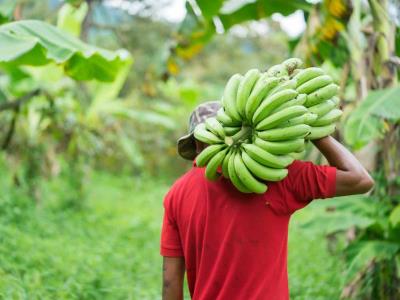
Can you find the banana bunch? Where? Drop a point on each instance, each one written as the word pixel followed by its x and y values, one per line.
pixel 262 123
pixel 321 100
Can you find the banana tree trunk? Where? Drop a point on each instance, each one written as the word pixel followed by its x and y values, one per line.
pixel 385 76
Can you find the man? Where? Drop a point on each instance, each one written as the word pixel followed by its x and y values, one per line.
pixel 234 245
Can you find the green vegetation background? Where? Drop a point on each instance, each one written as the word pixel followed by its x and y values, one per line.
pixel 102 241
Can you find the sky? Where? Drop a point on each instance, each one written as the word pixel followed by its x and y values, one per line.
pixel 293 25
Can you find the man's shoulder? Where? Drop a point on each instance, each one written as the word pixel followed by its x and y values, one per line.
pixel 186 181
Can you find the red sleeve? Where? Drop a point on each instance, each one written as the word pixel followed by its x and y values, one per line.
pixel 170 240
pixel 307 182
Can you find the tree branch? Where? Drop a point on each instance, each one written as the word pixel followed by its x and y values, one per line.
pixel 18 102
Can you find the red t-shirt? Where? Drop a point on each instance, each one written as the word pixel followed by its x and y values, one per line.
pixel 235 244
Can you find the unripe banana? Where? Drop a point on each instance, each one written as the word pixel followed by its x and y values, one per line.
pixel 299 100
pixel 298 155
pixel 230 94
pixel 336 100
pixel 282 147
pixel 294 121
pixel 234 177
pixel 230 131
pixel 322 94
pixel 281 116
pixel 213 125
pixel 329 118
pixel 262 171
pixel 205 136
pixel 212 166
pixel 287 133
pixel 284 85
pixel 244 90
pixel 262 88
pixel 225 162
pixel 294 73
pixel 272 102
pixel 322 108
pixel 247 178
pixel 266 158
pixel 207 153
pixel 314 84
pixel 277 71
pixel 308 74
pixel 310 118
pixel 320 132
pixel 225 119
pixel 292 63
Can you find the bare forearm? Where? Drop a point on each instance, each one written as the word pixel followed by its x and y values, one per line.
pixel 337 155
pixel 173 273
pixel 351 177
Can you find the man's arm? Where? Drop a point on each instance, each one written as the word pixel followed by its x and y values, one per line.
pixel 173 272
pixel 351 176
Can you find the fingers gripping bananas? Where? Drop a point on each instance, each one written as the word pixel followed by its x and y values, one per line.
pixel 264 123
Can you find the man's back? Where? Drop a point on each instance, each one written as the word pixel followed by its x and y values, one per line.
pixel 235 244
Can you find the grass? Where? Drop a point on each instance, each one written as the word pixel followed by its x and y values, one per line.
pixel 110 248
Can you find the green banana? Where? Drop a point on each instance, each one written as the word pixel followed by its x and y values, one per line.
pixel 202 134
pixel 225 119
pixel 322 94
pixel 230 131
pixel 262 88
pixel 266 158
pixel 207 153
pixel 292 64
pixel 225 163
pixel 244 90
pixel 336 100
pixel 320 132
pixel 213 164
pixel 294 73
pixel 234 177
pixel 314 84
pixel 229 97
pixel 277 71
pixel 302 119
pixel 308 74
pixel 299 100
pixel 329 118
pixel 247 178
pixel 287 133
pixel 283 147
pixel 322 108
pixel 298 155
pixel 310 118
pixel 284 85
pixel 213 125
pixel 262 171
pixel 281 116
pixel 272 102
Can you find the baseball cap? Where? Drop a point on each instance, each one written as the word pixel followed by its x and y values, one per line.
pixel 186 144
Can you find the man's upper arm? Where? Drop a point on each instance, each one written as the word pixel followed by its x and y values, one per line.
pixel 307 182
pixel 170 239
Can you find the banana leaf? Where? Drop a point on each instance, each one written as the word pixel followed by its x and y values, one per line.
pixel 367 121
pixel 37 43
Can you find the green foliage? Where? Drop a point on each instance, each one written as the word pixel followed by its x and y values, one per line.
pixel 38 43
pixel 6 10
pixel 109 249
pixel 70 18
pixel 367 121
pixel 261 9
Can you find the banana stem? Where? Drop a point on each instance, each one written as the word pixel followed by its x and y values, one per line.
pixel 243 134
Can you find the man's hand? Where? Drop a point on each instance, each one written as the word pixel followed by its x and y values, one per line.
pixel 173 272
pixel 351 177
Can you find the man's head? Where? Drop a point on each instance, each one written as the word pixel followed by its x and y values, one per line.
pixel 188 146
